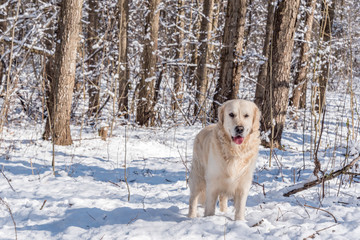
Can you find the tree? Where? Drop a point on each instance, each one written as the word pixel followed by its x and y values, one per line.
pixel 276 96
pixel 201 71
pixel 92 39
pixel 230 67
pixel 49 75
pixel 180 23
pixel 300 82
pixel 145 106
pixel 123 67
pixel 3 27
pixel 328 13
pixel 261 81
pixel 64 74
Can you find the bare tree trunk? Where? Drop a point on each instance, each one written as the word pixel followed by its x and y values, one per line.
pixel 92 38
pixel 123 67
pixel 261 82
pixel 276 99
pixel 178 83
pixel 230 65
pixel 65 66
pixel 328 13
pixel 145 106
pixel 201 71
pixel 300 82
pixel 49 75
pixel 193 49
pixel 3 26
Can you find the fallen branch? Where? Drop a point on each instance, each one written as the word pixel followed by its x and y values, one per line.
pixel 324 178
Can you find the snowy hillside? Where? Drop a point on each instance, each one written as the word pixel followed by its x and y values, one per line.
pixel 88 197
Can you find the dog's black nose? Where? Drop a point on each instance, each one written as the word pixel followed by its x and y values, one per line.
pixel 239 129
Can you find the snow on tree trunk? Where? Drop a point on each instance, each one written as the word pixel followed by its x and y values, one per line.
pixel 145 106
pixel 276 95
pixel 231 51
pixel 65 66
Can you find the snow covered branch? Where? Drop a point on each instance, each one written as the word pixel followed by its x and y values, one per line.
pixel 326 177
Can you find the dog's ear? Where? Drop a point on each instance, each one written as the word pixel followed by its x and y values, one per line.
pixel 221 114
pixel 256 119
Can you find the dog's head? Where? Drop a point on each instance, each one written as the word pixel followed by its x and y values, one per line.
pixel 239 118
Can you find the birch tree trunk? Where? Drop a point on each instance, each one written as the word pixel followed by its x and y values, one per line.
pixel 65 66
pixel 145 106
pixel 201 71
pixel 123 67
pixel 276 99
pixel 300 82
pixel 230 66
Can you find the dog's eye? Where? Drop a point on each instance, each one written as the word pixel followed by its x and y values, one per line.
pixel 246 115
pixel 231 115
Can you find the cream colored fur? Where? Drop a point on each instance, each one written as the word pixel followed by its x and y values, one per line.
pixel 220 167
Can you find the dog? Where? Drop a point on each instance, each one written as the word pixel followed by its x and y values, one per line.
pixel 224 158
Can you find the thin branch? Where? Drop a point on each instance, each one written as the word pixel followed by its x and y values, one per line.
pixel 28 47
pixel 11 215
pixel 326 177
pixel 322 210
pixel 2 172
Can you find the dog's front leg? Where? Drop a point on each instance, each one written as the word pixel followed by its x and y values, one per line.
pixel 240 201
pixel 210 202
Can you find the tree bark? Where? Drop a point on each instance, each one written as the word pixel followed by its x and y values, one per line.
pixel 145 106
pixel 178 83
pixel 192 47
pixel 3 26
pixel 201 71
pixel 261 82
pixel 49 76
pixel 328 13
pixel 230 65
pixel 65 66
pixel 92 38
pixel 300 82
pixel 123 67
pixel 276 99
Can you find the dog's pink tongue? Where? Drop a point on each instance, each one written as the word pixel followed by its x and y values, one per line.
pixel 238 140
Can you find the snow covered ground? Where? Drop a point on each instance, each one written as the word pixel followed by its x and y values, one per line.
pixel 88 197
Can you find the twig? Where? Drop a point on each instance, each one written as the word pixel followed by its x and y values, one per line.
pixel 11 215
pixel 317 232
pixel 261 185
pixel 115 184
pixel 2 172
pixel 42 206
pixel 322 210
pixel 326 177
pixel 258 223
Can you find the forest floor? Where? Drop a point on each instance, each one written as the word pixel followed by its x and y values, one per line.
pixel 88 197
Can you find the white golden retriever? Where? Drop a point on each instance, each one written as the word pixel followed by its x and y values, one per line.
pixel 224 157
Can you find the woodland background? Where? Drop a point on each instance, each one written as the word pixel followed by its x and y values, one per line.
pixel 168 62
pixel 153 73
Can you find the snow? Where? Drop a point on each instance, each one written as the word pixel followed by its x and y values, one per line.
pixel 88 198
